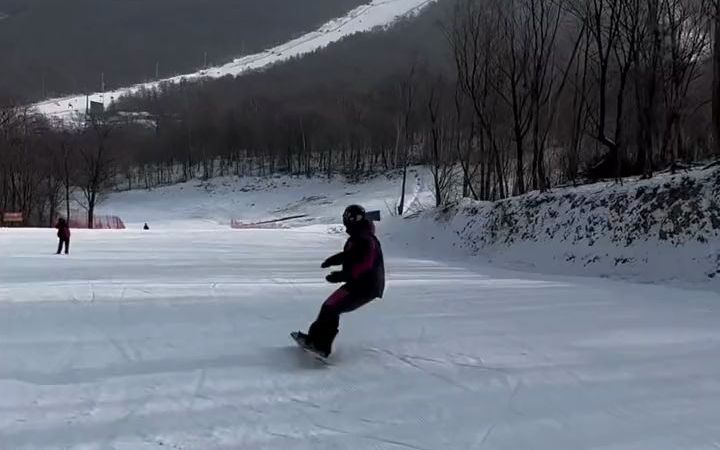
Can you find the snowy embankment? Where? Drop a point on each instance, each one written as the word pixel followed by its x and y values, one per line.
pixel 376 13
pixel 666 229
pixel 216 202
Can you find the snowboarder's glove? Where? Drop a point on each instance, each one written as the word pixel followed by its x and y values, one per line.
pixel 335 277
pixel 334 260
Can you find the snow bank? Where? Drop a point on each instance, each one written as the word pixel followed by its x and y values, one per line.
pixel 662 230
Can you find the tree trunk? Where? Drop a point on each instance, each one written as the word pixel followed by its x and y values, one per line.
pixel 67 184
pixel 716 79
pixel 91 211
pixel 401 205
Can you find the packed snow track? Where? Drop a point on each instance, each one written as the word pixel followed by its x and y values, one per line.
pixel 179 339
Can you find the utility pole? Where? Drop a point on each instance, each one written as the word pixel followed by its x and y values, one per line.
pixel 102 81
pixel 157 70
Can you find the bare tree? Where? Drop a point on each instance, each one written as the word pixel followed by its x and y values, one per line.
pixel 464 137
pixel 473 38
pixel 579 110
pixel 685 38
pixel 97 164
pixel 615 28
pixel 65 165
pixel 716 75
pixel 407 98
pixel 515 86
pixel 647 84
pixel 548 75
pixel 442 165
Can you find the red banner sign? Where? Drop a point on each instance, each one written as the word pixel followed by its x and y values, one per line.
pixel 13 217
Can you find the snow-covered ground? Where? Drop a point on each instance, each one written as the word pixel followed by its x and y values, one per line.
pixel 375 13
pixel 216 202
pixel 177 338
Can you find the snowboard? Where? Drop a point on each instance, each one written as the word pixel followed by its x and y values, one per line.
pixel 295 335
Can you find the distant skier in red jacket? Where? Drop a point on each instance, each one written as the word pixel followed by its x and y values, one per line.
pixel 363 275
pixel 63 235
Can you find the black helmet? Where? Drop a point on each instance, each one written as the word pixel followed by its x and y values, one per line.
pixel 353 214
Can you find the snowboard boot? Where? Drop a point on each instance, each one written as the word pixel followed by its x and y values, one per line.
pixel 323 345
pixel 305 341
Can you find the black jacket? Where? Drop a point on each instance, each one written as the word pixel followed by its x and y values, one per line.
pixel 363 265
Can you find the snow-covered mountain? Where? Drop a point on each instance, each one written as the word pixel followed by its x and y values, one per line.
pixel 377 13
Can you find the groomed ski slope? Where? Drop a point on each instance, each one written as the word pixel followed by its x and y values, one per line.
pixel 177 338
pixel 375 13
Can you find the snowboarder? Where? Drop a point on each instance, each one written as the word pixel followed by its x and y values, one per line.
pixel 63 235
pixel 146 227
pixel 363 275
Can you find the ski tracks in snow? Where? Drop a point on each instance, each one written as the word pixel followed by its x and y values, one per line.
pixel 450 358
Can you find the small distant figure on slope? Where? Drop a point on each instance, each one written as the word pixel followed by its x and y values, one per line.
pixel 363 275
pixel 63 234
pixel 146 227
